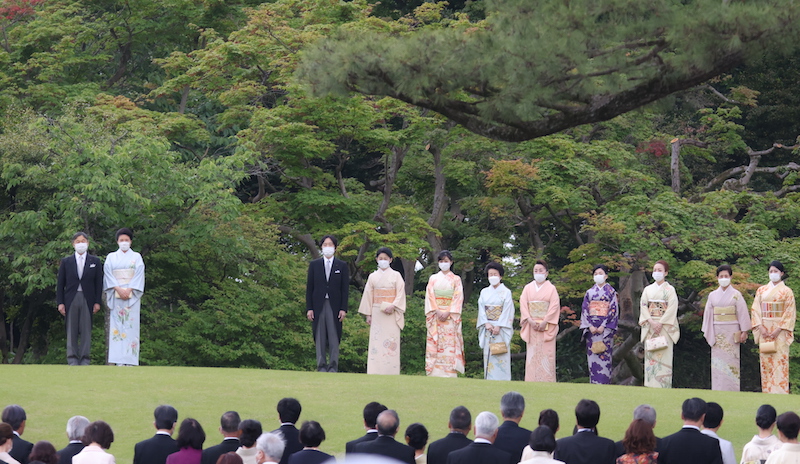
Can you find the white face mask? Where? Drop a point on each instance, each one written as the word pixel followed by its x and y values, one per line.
pixel 658 276
pixel 599 279
pixel 724 281
pixel 124 246
pixel 81 247
pixel 384 263
pixel 328 251
pixel 775 277
pixel 444 266
pixel 494 280
pixel 539 278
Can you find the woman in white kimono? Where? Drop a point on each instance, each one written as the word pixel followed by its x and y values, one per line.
pixel 384 305
pixel 660 332
pixel 495 324
pixel 124 286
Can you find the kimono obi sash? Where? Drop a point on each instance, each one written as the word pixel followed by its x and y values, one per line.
pixel 383 295
pixel 657 308
pixel 599 308
pixel 493 312
pixel 444 297
pixel 725 314
pixel 123 276
pixel 772 309
pixel 538 309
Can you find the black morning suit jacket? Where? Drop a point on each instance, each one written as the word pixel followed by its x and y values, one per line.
pixel 585 448
pixel 291 436
pixel 385 445
pixel 21 449
pixel 512 439
pixel 438 450
pixel 310 456
pixel 689 446
pixel 337 288
pixel 91 281
pixel 211 455
pixel 154 450
pixel 65 455
pixel 351 445
pixel 479 453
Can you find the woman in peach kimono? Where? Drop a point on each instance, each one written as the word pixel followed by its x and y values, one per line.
pixel 384 305
pixel 658 318
pixel 774 314
pixel 444 297
pixel 540 307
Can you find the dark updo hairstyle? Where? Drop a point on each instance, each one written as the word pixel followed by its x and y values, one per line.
pixel 311 434
pixel 444 254
pixel 251 430
pixel 788 424
pixel 124 231
pixel 6 433
pixel 44 452
pixel 725 267
pixel 98 432
pixel 417 436
pixel 639 438
pixel 765 416
pixel 777 264
pixel 496 266
pixel 549 418
pixel 385 250
pixel 191 434
pixel 541 261
pixel 600 266
pixel 543 439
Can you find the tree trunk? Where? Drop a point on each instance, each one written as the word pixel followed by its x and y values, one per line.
pixel 184 99
pixel 675 166
pixel 439 199
pixel 24 335
pixel 3 333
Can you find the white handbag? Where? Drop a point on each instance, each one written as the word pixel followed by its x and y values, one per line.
pixel 655 343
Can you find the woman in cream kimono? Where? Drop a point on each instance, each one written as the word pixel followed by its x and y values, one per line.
pixel 384 305
pixel 444 297
pixel 774 314
pixel 540 307
pixel 725 325
pixel 124 286
pixel 658 318
pixel 495 324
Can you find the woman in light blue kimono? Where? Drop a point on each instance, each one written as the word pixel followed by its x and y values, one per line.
pixel 495 324
pixel 124 286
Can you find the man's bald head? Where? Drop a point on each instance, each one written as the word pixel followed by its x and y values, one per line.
pixel 388 423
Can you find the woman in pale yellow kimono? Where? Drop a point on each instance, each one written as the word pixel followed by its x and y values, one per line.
pixel 384 305
pixel 444 297
pixel 540 307
pixel 774 314
pixel 658 318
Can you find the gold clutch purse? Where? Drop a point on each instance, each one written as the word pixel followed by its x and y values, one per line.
pixel 598 347
pixel 496 348
pixel 767 347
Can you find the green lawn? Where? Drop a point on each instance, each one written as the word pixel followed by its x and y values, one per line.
pixel 126 396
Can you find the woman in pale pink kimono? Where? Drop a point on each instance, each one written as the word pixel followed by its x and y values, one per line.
pixel 444 298
pixel 725 325
pixel 540 307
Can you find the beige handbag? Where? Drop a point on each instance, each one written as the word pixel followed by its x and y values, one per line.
pixel 496 348
pixel 598 347
pixel 767 347
pixel 656 343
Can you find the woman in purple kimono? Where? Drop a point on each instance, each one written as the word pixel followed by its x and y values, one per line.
pixel 599 317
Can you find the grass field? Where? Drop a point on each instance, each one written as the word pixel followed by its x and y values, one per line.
pixel 126 396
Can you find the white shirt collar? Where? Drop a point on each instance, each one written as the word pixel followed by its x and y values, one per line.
pixel 16 433
pixel 75 441
pixel 163 433
pixel 482 440
pixel 691 427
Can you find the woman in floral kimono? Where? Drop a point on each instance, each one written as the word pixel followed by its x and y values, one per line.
pixel 384 305
pixel 444 296
pixel 495 324
pixel 658 318
pixel 599 316
pixel 540 308
pixel 124 286
pixel 774 314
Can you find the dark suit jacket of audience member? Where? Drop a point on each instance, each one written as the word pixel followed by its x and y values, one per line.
pixel 309 456
pixel 350 445
pixel 585 448
pixel 689 446
pixel 479 453
pixel 438 450
pixel 65 454
pixel 385 445
pixel 620 448
pixel 21 449
pixel 512 439
pixel 211 455
pixel 154 450
pixel 291 436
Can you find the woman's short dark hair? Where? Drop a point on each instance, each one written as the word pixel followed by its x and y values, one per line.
pixel 779 266
pixel 496 266
pixel 639 438
pixel 543 439
pixel 600 266
pixel 251 430
pixel 230 458
pixel 765 416
pixel 725 267
pixel 542 263
pixel 385 250
pixel 311 433
pixel 98 432
pixel 549 417
pixel 191 434
pixel 44 452
pixel 417 436
pixel 333 239
pixel 6 433
pixel 789 424
pixel 124 231
pixel 444 254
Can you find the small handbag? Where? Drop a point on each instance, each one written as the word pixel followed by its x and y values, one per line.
pixel 598 347
pixel 767 347
pixel 496 348
pixel 656 343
